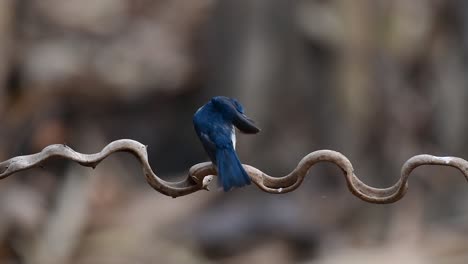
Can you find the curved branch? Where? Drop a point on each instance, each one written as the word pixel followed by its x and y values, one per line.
pixel 189 185
pixel 200 175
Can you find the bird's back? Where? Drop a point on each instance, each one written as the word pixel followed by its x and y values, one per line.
pixel 214 127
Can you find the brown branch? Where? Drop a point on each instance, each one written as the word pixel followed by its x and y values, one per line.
pixel 200 175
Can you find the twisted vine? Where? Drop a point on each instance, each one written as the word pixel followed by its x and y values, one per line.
pixel 200 175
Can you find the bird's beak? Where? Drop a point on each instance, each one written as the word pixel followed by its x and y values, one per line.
pixel 245 124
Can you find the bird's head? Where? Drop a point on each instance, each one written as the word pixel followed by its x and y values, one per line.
pixel 233 111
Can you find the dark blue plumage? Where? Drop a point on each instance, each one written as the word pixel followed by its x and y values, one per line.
pixel 215 124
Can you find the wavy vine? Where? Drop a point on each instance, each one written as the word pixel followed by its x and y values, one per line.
pixel 200 175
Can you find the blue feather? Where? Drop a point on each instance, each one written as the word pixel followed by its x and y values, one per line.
pixel 214 124
pixel 230 170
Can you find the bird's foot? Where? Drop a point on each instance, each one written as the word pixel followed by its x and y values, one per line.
pixel 205 182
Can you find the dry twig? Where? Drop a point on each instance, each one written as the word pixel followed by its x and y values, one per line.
pixel 200 175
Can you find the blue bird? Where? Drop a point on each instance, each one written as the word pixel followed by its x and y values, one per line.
pixel 215 124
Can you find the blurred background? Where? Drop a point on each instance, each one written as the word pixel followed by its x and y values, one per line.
pixel 379 81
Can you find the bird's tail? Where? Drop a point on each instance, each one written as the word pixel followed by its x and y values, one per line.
pixel 230 170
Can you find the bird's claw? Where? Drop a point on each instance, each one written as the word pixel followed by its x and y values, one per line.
pixel 195 179
pixel 205 182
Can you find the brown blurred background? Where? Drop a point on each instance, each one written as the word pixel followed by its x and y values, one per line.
pixel 379 81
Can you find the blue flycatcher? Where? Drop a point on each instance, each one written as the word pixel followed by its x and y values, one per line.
pixel 215 124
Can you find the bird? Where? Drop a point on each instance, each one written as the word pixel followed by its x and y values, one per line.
pixel 215 124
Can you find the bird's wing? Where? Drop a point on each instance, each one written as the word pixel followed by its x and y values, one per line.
pixel 209 145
